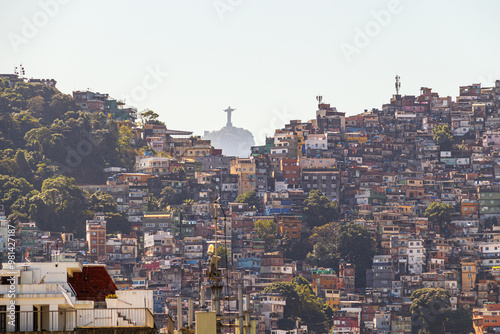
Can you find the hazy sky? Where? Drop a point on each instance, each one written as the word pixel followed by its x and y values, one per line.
pixel 189 60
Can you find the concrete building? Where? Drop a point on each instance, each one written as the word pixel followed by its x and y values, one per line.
pixel 416 256
pixel 96 237
pixel 164 221
pixel 328 181
pixel 381 275
pixel 152 165
pixel 61 296
pixel 245 169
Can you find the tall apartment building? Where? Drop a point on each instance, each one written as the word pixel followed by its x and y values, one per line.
pixel 416 256
pixel 96 237
pixel 347 275
pixel 245 169
pixel 381 275
pixel 469 272
pixel 291 172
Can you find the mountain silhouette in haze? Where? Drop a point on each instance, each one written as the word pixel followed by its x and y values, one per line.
pixel 232 140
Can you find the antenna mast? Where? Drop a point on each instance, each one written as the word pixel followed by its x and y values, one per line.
pixel 319 98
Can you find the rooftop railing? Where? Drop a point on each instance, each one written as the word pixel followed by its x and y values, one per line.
pixel 71 319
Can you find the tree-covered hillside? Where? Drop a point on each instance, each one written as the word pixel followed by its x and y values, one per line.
pixel 47 146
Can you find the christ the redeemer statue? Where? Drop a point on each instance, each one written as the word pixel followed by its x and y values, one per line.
pixel 229 110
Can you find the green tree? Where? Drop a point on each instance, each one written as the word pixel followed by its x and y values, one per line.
pixel 59 105
pixel 429 307
pixel 301 281
pixel 459 321
pixel 36 105
pixel 11 189
pixel 489 222
pixel 126 149
pixel 443 137
pixel 117 222
pixel 301 304
pixel 102 202
pixel 251 198
pixel 38 139
pixel 150 117
pixel 287 290
pixel 319 209
pixel 286 245
pixel 23 168
pixel 351 242
pixel 440 213
pixel 324 252
pixel 356 245
pixel 153 203
pixel 169 196
pixel 312 310
pixel 64 204
pixel 267 229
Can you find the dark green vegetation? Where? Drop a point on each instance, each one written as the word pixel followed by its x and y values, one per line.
pixel 351 242
pixel 168 196
pixel 439 213
pixel 150 117
pixel 443 137
pixel 431 313
pixel 47 146
pixel 301 304
pixel 319 209
pixel 267 229
pixel 250 197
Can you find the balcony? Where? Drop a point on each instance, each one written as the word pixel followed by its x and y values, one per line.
pixel 72 319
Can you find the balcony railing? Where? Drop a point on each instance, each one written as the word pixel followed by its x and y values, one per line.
pixel 70 319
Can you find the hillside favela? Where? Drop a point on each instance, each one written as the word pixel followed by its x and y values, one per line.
pixel 384 221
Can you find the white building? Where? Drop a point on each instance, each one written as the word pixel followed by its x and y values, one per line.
pixel 152 165
pixel 38 297
pixel 316 142
pixel 416 256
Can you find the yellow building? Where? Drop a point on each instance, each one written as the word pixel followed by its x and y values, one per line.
pixel 245 169
pixel 332 298
pixel 404 209
pixel 469 271
pixel 415 183
pixel 469 208
pixel 200 148
pixel 356 136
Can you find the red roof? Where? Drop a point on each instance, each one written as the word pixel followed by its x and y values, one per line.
pixel 151 266
pixel 93 283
